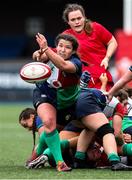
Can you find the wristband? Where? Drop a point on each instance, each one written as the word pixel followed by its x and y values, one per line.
pixel 43 50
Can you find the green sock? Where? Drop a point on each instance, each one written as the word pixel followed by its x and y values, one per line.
pixel 113 158
pixel 80 155
pixel 64 145
pixel 48 153
pixel 42 144
pixel 127 149
pixel 53 141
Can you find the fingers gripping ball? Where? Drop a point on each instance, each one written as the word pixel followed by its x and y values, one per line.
pixel 35 72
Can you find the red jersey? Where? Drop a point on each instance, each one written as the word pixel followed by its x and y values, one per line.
pixel 119 110
pixel 92 49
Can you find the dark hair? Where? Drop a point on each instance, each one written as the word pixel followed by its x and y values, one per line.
pixel 74 7
pixel 25 114
pixel 122 94
pixel 129 91
pixel 68 37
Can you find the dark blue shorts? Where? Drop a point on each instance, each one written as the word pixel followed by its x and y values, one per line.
pixel 47 96
pixel 72 127
pixel 64 116
pixel 90 101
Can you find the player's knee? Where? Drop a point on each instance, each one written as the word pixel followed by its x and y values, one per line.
pixel 103 130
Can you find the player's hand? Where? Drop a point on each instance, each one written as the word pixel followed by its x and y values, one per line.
pixel 37 55
pixel 41 40
pixel 127 138
pixel 108 96
pixel 104 62
pixel 103 78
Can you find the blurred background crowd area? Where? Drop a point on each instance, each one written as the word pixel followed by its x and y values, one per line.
pixel 20 21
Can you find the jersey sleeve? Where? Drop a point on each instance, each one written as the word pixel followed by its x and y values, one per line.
pixel 39 122
pixel 77 62
pixel 119 110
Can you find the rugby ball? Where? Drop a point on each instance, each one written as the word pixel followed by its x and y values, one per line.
pixel 35 72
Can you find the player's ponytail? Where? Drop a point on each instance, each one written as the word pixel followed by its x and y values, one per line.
pixel 88 26
pixel 34 132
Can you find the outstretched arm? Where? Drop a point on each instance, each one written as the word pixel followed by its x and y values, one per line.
pixel 56 59
pixel 127 77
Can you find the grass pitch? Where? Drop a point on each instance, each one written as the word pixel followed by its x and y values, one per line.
pixel 16 146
